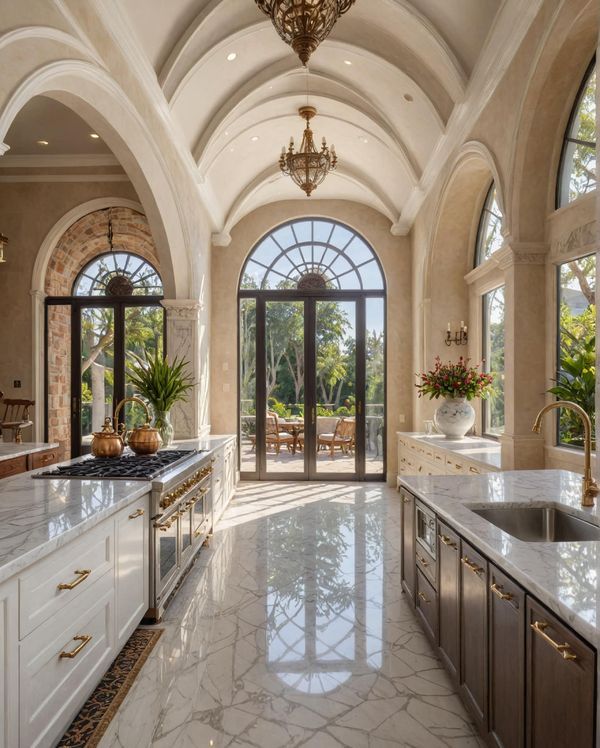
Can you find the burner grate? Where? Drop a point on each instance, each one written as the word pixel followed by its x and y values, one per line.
pixel 146 467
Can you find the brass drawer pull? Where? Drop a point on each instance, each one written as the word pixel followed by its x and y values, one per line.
pixel 497 590
pixel 406 499
pixel 166 525
pixel 447 541
pixel 471 565
pixel 424 598
pixel 85 639
pixel 562 649
pixel 422 560
pixel 474 470
pixel 82 575
pixel 137 513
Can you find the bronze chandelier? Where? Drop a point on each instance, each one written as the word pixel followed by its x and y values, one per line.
pixel 307 167
pixel 304 24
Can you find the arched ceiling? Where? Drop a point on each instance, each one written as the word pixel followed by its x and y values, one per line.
pixel 386 84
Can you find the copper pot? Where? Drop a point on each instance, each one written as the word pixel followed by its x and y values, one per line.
pixel 143 440
pixel 108 442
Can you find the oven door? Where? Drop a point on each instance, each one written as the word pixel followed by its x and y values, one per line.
pixel 200 518
pixel 167 555
pixel 426 529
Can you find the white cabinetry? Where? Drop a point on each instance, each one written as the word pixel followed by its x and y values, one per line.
pixel 131 568
pixel 421 455
pixel 224 478
pixel 9 664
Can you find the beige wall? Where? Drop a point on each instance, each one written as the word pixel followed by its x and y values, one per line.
pixel 28 211
pixel 227 262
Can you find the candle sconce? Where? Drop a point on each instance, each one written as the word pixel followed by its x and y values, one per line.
pixel 459 338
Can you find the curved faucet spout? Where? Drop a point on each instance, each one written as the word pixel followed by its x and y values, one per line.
pixel 590 487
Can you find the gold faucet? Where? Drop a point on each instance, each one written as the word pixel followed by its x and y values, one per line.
pixel 590 487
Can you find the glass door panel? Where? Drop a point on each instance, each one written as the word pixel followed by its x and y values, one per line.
pixel 335 387
pixel 374 386
pixel 247 385
pixel 284 387
pixel 143 336
pixel 97 370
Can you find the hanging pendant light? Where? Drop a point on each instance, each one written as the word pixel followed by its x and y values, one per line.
pixel 307 167
pixel 304 24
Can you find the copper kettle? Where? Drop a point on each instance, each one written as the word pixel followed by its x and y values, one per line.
pixel 143 440
pixel 108 442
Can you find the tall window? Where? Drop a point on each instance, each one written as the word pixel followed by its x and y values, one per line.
pixel 493 351
pixel 577 174
pixel 576 375
pixel 489 235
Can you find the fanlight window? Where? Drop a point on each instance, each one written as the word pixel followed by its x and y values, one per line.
pixel 312 254
pixel 118 274
pixel 577 174
pixel 489 236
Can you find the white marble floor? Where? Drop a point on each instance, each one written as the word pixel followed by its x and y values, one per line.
pixel 291 630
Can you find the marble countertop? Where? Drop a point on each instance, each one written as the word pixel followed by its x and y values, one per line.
pixel 38 516
pixel 8 450
pixel 476 448
pixel 563 576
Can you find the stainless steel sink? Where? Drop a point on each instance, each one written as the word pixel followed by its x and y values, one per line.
pixel 539 524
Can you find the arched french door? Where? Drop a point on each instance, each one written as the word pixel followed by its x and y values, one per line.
pixel 114 311
pixel 312 356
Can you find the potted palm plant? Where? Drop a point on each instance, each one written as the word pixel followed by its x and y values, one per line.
pixel 162 384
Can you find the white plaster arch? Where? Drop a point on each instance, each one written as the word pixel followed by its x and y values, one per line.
pixel 38 278
pixel 27 33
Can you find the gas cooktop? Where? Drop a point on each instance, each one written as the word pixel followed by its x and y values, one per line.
pixel 128 467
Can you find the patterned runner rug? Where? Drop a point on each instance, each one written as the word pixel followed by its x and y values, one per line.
pixel 95 715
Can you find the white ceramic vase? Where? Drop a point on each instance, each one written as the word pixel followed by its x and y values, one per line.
pixel 454 417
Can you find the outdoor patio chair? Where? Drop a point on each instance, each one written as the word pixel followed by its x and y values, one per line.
pixel 342 437
pixel 275 436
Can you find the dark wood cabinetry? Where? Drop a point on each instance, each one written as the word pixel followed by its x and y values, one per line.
pixel 427 607
pixel 474 630
pixel 38 460
pixel 506 661
pixel 14 466
pixel 449 599
pixel 408 544
pixel 23 463
pixel 560 676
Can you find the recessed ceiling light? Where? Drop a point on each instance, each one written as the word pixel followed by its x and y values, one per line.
pixel 232 149
pixel 408 97
pixel 254 138
pixel 347 62
pixel 94 135
pixel 226 133
pixel 42 142
pixel 231 56
pixel 363 139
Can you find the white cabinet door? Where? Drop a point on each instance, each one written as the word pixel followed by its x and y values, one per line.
pixel 131 567
pixel 217 484
pixel 9 664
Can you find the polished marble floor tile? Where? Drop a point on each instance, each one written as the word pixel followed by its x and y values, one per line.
pixel 291 630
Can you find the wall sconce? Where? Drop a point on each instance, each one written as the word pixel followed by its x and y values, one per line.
pixel 459 338
pixel 3 243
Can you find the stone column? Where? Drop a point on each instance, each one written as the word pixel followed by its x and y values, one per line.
pixel 525 353
pixel 185 340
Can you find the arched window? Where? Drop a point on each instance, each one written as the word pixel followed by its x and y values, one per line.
pixel 577 172
pixel 118 274
pixel 489 235
pixel 312 254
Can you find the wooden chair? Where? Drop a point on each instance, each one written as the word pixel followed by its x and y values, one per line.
pixel 342 437
pixel 275 436
pixel 16 416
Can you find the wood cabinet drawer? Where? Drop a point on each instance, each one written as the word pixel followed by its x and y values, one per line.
pixel 448 587
pixel 427 605
pixel 76 566
pixel 53 687
pixel 14 466
pixel 455 465
pixel 41 459
pixel 426 564
pixel 561 674
pixel 131 567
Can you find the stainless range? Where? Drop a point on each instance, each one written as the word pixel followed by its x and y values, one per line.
pixel 180 506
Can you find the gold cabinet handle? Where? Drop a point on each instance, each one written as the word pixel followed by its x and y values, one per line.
pixel 471 565
pixel 166 525
pixel 447 541
pixel 474 470
pixel 85 639
pixel 424 598
pixel 406 499
pixel 497 590
pixel 82 575
pixel 422 560
pixel 137 513
pixel 563 649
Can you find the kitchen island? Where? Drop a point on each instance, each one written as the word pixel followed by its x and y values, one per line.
pixel 74 584
pixel 19 458
pixel 515 620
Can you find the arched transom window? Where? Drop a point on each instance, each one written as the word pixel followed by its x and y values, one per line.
pixel 577 174
pixel 312 254
pixel 489 235
pixel 118 274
